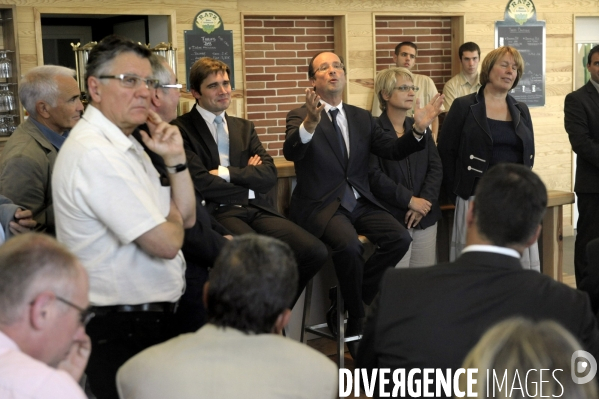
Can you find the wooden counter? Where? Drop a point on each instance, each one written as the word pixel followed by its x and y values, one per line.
pixel 550 243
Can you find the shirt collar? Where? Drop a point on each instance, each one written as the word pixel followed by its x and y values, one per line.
pixel 54 138
pixel 492 248
pixel 209 116
pixel 7 343
pixel 594 84
pixel 109 130
pixel 327 107
pixel 464 79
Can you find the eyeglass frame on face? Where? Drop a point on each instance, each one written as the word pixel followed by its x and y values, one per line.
pixel 325 66
pixel 151 84
pixel 406 88
pixel 171 86
pixel 85 314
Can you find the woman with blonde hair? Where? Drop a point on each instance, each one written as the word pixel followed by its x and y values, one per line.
pixel 409 188
pixel 482 130
pixel 517 349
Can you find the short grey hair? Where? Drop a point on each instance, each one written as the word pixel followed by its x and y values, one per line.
pixel 40 84
pixel 386 81
pixel 29 264
pixel 160 71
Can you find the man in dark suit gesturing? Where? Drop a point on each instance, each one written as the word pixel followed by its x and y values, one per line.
pixel 581 119
pixel 233 171
pixel 432 317
pixel 330 144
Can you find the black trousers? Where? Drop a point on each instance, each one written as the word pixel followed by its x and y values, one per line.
pixel 587 229
pixel 358 280
pixel 117 337
pixel 309 251
pixel 191 313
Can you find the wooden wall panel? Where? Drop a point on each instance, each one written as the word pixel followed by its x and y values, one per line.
pixel 553 161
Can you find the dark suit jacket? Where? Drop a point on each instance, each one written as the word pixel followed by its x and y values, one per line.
pixel 466 146
pixel 394 183
pixel 204 240
pixel 322 172
pixel 202 156
pixel 581 119
pixel 432 317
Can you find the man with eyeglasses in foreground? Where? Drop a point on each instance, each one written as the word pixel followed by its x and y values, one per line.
pixel 114 214
pixel 330 144
pixel 405 57
pixel 43 312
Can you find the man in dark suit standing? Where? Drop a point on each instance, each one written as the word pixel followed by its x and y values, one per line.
pixel 233 171
pixel 330 144
pixel 581 119
pixel 432 317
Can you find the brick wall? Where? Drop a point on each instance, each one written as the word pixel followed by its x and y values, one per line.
pixel 432 35
pixel 276 52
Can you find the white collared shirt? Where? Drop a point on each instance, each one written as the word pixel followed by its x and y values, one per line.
pixel 107 194
pixel 492 248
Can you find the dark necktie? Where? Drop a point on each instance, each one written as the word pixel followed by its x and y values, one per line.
pixel 334 112
pixel 348 201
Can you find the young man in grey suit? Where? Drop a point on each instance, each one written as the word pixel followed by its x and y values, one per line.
pixel 232 170
pixel 51 96
pixel 431 317
pixel 240 352
pixel 581 119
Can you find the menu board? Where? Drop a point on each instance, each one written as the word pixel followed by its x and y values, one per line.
pixel 216 45
pixel 529 40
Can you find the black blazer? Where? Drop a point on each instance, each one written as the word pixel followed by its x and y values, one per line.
pixel 321 170
pixel 432 317
pixel 204 240
pixel 394 183
pixel 466 146
pixel 581 119
pixel 202 156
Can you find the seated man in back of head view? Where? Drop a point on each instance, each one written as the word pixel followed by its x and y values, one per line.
pixel 240 352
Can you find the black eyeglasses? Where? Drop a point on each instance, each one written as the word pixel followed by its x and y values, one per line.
pixel 86 314
pixel 132 81
pixel 406 88
pixel 173 86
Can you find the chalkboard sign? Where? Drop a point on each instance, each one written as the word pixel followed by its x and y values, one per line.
pixel 216 45
pixel 529 40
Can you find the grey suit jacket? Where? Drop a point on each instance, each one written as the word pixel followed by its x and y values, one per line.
pixel 217 363
pixel 581 119
pixel 26 166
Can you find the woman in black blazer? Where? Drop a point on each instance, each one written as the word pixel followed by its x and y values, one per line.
pixel 409 188
pixel 482 130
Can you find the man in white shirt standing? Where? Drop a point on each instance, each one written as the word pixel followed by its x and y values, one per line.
pixel 405 57
pixel 43 312
pixel 467 81
pixel 114 214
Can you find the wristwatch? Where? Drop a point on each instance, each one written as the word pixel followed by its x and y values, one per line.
pixel 177 168
pixel 416 131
